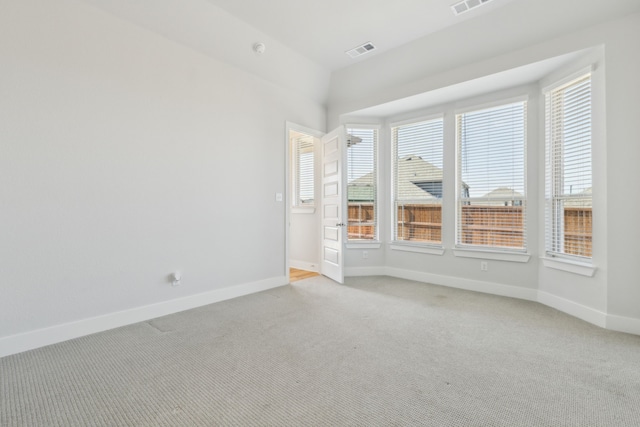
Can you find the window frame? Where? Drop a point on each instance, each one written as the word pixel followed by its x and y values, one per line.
pixel 296 202
pixel 418 246
pixel 554 224
pixel 516 254
pixel 375 242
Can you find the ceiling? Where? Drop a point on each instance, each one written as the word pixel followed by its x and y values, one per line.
pixel 323 30
pixel 310 37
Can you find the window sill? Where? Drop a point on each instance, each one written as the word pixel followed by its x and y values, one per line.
pixel 303 210
pixel 364 245
pixel 581 268
pixel 493 255
pixel 431 250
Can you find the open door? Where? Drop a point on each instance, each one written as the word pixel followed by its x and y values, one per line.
pixel 333 205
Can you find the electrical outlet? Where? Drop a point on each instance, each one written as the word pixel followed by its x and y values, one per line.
pixel 484 266
pixel 365 254
pixel 176 277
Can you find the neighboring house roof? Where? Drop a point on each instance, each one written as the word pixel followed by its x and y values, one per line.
pixel 500 196
pixel 413 170
pixel 580 201
pixel 361 192
pixel 417 177
pixel 414 174
pixel 503 193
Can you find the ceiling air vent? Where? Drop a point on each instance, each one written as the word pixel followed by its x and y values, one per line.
pixel 362 49
pixel 467 5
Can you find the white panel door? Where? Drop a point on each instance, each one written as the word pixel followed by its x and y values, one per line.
pixel 333 213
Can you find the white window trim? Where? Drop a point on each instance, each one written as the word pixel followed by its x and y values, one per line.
pixel 568 79
pixel 368 244
pixel 557 260
pixel 492 255
pixel 564 264
pixel 422 248
pixel 488 105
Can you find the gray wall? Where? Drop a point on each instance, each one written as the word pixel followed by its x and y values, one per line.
pixel 124 157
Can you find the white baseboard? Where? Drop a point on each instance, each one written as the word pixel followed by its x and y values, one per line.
pixel 574 309
pixel 467 284
pixel 623 324
pixel 304 265
pixel 364 271
pixel 41 337
pixel 588 314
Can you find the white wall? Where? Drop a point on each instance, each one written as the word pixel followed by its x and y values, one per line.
pixel 305 240
pixel 476 49
pixel 125 156
pixel 209 29
pixel 623 151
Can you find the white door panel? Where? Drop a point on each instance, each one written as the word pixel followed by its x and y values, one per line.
pixel 333 205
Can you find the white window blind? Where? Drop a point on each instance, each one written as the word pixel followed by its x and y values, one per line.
pixel 362 179
pixel 491 178
pixel 418 181
pixel 568 169
pixel 303 169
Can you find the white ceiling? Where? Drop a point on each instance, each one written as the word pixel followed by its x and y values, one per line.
pixel 310 37
pixel 323 30
pixel 320 31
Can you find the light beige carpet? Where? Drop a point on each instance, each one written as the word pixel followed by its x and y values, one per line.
pixel 375 352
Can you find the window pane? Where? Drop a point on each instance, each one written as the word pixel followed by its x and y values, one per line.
pixel 362 183
pixel 418 181
pixel 491 178
pixel 303 169
pixel 569 171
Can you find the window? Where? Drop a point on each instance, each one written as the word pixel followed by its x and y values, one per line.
pixel 362 187
pixel 491 178
pixel 568 169
pixel 417 181
pixel 303 169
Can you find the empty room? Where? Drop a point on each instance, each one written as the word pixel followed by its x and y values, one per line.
pixel 322 213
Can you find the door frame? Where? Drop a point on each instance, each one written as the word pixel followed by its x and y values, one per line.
pixel 291 126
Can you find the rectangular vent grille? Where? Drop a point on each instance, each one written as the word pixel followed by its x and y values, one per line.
pixel 362 49
pixel 467 5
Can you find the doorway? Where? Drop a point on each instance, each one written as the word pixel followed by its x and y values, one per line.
pixel 303 203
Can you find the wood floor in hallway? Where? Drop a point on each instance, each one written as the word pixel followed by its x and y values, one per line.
pixel 295 274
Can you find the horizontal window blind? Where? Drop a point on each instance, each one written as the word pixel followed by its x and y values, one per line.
pixel 362 180
pixel 491 209
pixel 418 181
pixel 568 169
pixel 303 173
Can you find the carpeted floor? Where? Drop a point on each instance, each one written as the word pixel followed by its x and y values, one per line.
pixel 376 352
